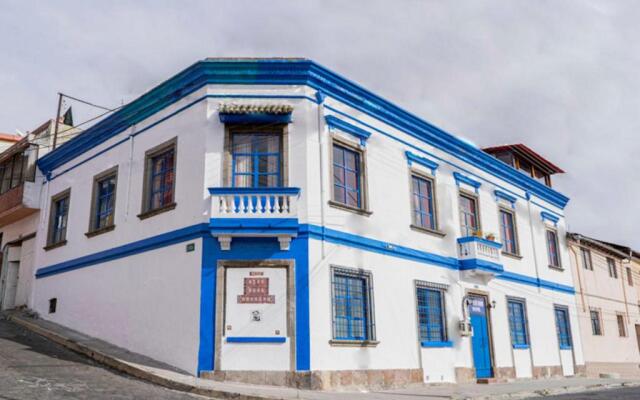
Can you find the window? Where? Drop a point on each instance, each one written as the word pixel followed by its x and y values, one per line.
pixel 352 305
pixel 596 325
pixel 586 259
pixel 424 215
pixel 622 327
pixel 160 168
pixel 629 276
pixel 518 323
pixel 104 201
pixel 431 313
pixel 508 229
pixel 14 171
pixel 468 215
pixel 613 271
pixel 347 176
pixel 562 327
pixel 552 249
pixel 58 215
pixel 256 159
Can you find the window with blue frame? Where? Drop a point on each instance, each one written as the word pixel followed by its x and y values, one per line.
pixel 518 323
pixel 423 202
pixel 552 249
pixel 431 313
pixel 352 305
pixel 104 200
pixel 562 327
pixel 59 213
pixel 508 230
pixel 160 179
pixel 256 159
pixel 469 221
pixel 347 176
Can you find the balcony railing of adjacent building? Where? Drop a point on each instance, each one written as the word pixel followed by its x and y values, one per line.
pixel 481 256
pixel 254 212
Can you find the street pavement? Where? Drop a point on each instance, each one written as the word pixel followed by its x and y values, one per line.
pixel 32 367
pixel 612 394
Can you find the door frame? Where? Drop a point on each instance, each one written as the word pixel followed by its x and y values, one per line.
pixel 221 283
pixel 487 310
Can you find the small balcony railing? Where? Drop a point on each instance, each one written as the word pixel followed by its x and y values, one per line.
pixel 231 202
pixel 478 254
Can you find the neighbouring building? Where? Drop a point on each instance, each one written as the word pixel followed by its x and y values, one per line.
pixel 8 140
pixel 20 191
pixel 606 277
pixel 267 220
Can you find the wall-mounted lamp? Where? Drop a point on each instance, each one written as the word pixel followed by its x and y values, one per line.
pixel 493 304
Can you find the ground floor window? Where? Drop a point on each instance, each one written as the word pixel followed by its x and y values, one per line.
pixel 518 322
pixel 431 312
pixel 562 327
pixel 352 304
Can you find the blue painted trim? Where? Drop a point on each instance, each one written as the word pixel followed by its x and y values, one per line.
pixel 466 180
pixel 255 226
pixel 436 344
pixel 549 217
pixel 289 72
pixel 140 246
pixel 486 242
pixel 531 281
pixel 474 263
pixel 414 158
pixel 251 339
pixel 565 347
pixel 208 279
pixel 504 196
pixel 294 191
pixel 520 346
pixel 344 126
pixel 255 118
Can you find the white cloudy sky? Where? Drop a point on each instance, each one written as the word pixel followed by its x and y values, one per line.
pixel 561 76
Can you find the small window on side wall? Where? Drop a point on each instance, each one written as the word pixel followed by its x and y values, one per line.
pixel 553 249
pixel 586 259
pixel 423 202
pixel 103 202
pixel 348 177
pixel 58 216
pixel 508 232
pixel 159 182
pixel 353 317
pixel 432 320
pixel 613 269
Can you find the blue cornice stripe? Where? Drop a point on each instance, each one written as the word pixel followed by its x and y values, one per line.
pixel 414 158
pixel 290 72
pixel 504 196
pixel 459 178
pixel 140 246
pixel 474 263
pixel 484 241
pixel 252 339
pixel 549 217
pixel 255 118
pixel 436 344
pixel 344 126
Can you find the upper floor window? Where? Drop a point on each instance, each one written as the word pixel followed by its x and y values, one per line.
pixel 596 323
pixel 518 323
pixel 431 314
pixel 160 170
pixel 58 216
pixel 14 171
pixel 348 176
pixel 104 201
pixel 611 266
pixel 585 254
pixel 352 305
pixel 622 327
pixel 552 249
pixel 257 159
pixel 508 231
pixel 629 276
pixel 423 201
pixel 469 221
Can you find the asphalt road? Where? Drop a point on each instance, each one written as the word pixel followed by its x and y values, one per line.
pixel 612 394
pixel 31 367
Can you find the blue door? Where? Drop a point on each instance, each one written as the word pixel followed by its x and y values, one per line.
pixel 480 341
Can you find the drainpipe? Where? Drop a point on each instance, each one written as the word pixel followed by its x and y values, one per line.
pixel 624 292
pixel 320 98
pixel 533 242
pixel 126 209
pixel 575 255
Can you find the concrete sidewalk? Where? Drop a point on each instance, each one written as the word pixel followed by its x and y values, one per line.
pixel 153 371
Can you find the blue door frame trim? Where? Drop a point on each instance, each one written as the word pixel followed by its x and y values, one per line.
pixel 289 72
pixel 252 339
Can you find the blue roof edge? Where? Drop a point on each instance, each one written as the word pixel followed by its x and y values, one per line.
pixel 290 72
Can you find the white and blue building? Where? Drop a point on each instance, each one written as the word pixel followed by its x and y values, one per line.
pixel 268 220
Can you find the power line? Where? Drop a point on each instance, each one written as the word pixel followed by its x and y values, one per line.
pixel 87 102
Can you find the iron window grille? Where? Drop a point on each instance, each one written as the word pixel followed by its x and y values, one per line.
pixel 518 322
pixel 353 317
pixel 431 312
pixel 562 327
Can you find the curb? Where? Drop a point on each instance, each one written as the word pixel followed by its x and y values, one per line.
pixel 552 392
pixel 130 369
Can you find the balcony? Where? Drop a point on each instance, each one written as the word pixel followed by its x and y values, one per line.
pixel 479 257
pixel 18 202
pixel 254 212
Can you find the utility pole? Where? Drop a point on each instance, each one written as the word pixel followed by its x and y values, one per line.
pixel 55 131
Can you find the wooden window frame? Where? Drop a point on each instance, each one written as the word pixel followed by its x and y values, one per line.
pixel 364 193
pixel 476 199
pixel 525 321
pixel 54 199
pixel 145 210
pixel 442 290
pixel 583 251
pixel 93 230
pixel 612 267
pixel 516 237
pixel 434 200
pixel 557 244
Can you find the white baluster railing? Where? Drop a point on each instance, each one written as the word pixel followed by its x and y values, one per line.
pixel 472 247
pixel 229 202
